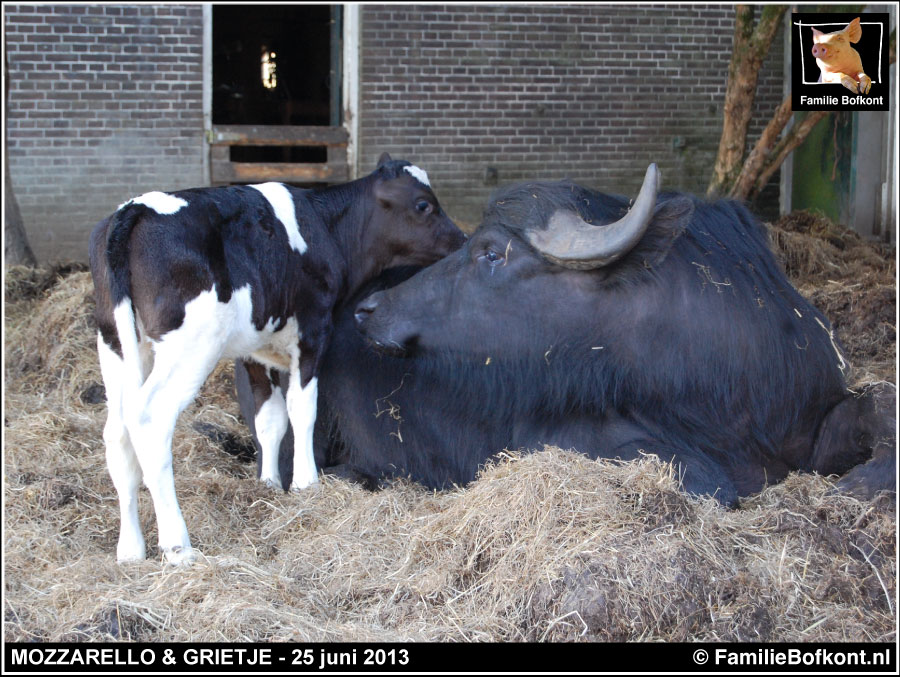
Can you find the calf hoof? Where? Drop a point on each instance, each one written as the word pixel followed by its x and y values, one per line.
pixel 180 556
pixel 271 483
pixel 131 551
pixel 297 488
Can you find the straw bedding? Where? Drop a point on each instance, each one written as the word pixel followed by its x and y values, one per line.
pixel 548 546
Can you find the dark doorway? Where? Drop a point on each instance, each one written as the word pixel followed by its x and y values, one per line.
pixel 276 65
pixel 292 43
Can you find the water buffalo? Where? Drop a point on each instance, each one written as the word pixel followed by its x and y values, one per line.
pixel 569 319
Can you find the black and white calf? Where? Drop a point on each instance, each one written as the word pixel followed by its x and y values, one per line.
pixel 184 279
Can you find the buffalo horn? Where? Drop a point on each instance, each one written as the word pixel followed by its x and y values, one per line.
pixel 572 242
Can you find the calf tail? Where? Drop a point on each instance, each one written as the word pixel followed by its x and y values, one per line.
pixel 117 259
pixel 118 249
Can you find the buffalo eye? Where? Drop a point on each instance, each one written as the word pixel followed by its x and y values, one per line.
pixel 492 257
pixel 424 207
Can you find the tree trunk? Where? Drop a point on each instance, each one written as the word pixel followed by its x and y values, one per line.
pixel 16 250
pixel 751 44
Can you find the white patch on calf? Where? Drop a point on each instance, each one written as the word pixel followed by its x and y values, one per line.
pixel 243 338
pixel 161 203
pixel 418 174
pixel 283 205
pixel 267 346
pixel 275 350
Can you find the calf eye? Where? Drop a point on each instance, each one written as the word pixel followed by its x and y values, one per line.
pixel 424 207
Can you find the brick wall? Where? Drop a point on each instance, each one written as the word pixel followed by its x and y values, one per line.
pixel 105 103
pixel 591 93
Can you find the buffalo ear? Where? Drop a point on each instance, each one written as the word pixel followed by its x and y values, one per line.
pixel 669 221
pixel 383 160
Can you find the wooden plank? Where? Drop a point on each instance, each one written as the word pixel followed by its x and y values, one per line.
pixel 278 135
pixel 337 155
pixel 289 172
pixel 219 154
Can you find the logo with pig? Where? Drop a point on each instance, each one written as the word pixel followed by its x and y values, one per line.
pixel 840 62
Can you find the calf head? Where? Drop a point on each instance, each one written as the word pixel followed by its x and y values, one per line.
pixel 406 225
pixel 537 268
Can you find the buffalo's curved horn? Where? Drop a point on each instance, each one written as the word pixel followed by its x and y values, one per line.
pixel 572 242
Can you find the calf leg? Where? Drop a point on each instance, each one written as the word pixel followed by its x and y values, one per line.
pixel 254 389
pixel 302 397
pixel 121 460
pixel 183 359
pixel 270 422
pixel 172 385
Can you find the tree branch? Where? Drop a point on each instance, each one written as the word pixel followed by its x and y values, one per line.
pixel 751 44
pixel 761 151
pixel 791 140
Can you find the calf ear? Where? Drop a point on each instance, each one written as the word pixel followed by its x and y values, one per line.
pixel 854 30
pixel 383 160
pixel 385 193
pixel 668 222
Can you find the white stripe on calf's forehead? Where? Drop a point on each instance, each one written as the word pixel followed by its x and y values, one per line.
pixel 161 203
pixel 418 174
pixel 283 205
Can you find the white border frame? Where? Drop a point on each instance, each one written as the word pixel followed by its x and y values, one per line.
pixel 803 53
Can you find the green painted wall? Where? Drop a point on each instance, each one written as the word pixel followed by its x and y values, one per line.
pixel 823 167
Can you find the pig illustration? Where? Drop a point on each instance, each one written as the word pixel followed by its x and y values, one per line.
pixel 838 61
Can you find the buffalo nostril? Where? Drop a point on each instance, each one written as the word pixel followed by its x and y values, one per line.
pixel 365 309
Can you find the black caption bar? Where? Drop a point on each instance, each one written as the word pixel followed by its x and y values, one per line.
pixel 425 658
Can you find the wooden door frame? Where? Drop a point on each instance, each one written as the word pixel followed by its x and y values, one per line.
pixel 350 82
pixel 343 150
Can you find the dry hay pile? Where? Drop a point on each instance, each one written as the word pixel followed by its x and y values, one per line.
pixel 550 546
pixel 851 280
